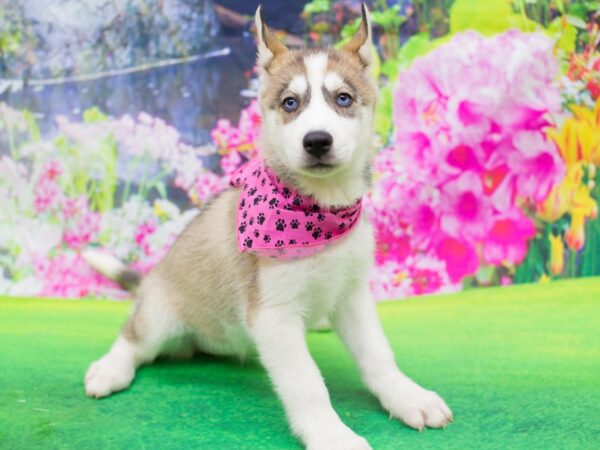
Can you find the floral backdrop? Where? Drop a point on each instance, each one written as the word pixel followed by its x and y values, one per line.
pixel 488 140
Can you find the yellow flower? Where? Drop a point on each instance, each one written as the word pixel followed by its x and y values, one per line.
pixel 590 131
pixel 572 197
pixel 560 199
pixel 579 143
pixel 575 236
pixel 400 276
pixel 545 279
pixel 579 138
pixel 583 206
pixel 557 250
pixel 158 211
pixel 583 203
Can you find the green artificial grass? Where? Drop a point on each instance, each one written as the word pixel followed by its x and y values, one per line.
pixel 519 366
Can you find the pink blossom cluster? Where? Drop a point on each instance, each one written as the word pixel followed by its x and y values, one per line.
pixel 68 275
pixel 416 274
pixel 238 143
pixel 243 137
pixel 208 186
pixel 142 232
pixel 79 223
pixel 47 191
pixel 469 156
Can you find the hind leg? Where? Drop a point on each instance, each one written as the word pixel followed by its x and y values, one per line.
pixel 141 340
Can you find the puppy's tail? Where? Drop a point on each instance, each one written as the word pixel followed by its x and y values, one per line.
pixel 109 266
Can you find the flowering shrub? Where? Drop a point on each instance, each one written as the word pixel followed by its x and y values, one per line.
pixel 238 144
pixel 470 159
pixel 102 183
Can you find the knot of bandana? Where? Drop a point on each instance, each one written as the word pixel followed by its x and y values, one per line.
pixel 276 221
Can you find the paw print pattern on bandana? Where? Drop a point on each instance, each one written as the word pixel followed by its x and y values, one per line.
pixel 274 220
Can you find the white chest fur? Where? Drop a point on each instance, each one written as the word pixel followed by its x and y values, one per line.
pixel 315 284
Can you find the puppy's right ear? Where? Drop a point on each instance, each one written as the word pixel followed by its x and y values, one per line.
pixel 361 43
pixel 268 45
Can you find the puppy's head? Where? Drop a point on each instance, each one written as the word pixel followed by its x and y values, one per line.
pixel 317 104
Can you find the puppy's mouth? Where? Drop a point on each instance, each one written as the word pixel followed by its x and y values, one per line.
pixel 319 169
pixel 320 165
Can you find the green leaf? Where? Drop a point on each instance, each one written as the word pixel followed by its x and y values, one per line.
pixel 487 17
pixel 565 35
pixel 161 188
pixel 32 126
pixel 390 69
pixel 317 6
pixel 533 266
pixel 94 115
pixel 576 21
pixel 383 111
pixel 592 6
pixel 417 45
pixel 590 256
pixel 348 31
pixel 388 19
pixel 485 274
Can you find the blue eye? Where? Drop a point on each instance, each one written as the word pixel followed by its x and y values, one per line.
pixel 343 100
pixel 290 104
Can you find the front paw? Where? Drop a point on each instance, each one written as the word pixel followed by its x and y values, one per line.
pixel 417 407
pixel 108 375
pixel 341 439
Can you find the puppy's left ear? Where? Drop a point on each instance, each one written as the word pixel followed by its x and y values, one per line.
pixel 361 43
pixel 268 45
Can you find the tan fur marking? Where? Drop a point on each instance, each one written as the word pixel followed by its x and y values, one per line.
pixel 349 67
pixel 282 70
pixel 330 98
pixel 203 276
pixel 360 37
pixel 129 331
pixel 269 38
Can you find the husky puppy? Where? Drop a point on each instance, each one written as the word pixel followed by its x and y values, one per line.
pixel 214 294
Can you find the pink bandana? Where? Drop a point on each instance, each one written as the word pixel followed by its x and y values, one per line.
pixel 276 221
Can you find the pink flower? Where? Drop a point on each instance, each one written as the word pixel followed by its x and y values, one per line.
pixel 536 165
pixel 460 258
pixel 68 275
pixel 82 231
pixel 466 212
pixel 47 191
pixel 243 137
pixel 230 162
pixel 425 281
pixel 51 170
pixel 73 206
pixel 507 239
pixel 143 231
pixel 463 158
pixel 390 247
pixel 207 186
pixel 416 275
pixel 423 220
pixel 47 194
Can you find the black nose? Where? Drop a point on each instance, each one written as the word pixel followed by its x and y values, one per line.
pixel 317 143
